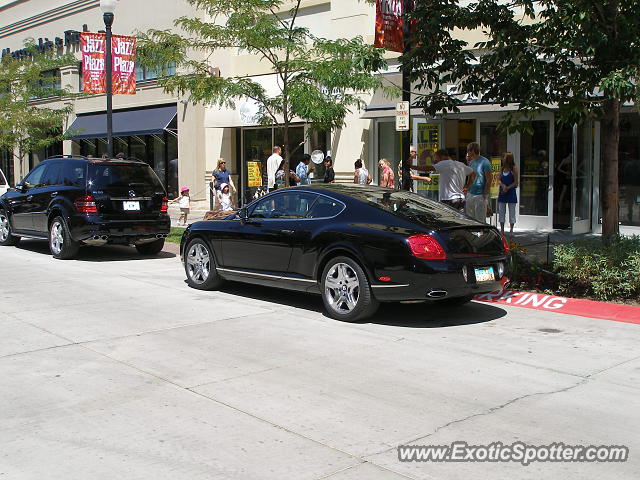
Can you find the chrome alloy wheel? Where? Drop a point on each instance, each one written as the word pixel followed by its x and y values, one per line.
pixel 4 228
pixel 56 241
pixel 198 263
pixel 342 288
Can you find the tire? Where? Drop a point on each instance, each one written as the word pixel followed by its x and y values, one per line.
pixel 346 292
pixel 456 301
pixel 7 239
pixel 200 266
pixel 61 245
pixel 152 248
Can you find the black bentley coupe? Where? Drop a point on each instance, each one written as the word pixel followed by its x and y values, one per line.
pixel 355 245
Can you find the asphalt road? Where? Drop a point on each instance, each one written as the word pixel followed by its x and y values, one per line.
pixel 112 368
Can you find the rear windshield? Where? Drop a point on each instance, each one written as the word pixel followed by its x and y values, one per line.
pixel 104 176
pixel 401 203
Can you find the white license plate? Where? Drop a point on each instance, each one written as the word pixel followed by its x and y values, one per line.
pixel 131 206
pixel 485 274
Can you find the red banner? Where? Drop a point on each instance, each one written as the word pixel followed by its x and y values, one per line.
pixel 389 25
pixel 123 54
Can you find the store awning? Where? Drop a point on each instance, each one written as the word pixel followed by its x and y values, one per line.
pixel 148 121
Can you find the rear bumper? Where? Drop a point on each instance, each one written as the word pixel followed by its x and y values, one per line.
pixel 437 280
pixel 85 227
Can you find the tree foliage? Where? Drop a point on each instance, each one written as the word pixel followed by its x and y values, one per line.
pixel 578 58
pixel 319 80
pixel 28 123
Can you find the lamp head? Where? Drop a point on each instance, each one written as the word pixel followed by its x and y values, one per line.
pixel 108 6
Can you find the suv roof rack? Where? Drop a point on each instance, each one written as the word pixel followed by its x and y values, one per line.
pixel 67 156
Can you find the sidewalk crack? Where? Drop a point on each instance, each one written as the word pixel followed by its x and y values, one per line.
pixel 585 379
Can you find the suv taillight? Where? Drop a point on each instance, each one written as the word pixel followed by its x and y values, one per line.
pixel 86 204
pixel 505 244
pixel 165 205
pixel 426 247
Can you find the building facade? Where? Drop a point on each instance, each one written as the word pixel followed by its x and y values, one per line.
pixel 182 141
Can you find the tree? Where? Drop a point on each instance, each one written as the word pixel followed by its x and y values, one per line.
pixel 578 58
pixel 319 80
pixel 27 124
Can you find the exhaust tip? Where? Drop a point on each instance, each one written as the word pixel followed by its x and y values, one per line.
pixel 437 294
pixel 104 237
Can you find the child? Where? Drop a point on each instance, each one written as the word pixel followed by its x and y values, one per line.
pixel 224 199
pixel 184 202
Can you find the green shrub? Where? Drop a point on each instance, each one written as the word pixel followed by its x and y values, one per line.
pixel 602 270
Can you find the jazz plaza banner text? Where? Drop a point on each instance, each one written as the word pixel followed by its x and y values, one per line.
pixel 123 50
pixel 389 25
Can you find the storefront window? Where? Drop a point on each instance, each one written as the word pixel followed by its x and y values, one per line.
pixel 493 143
pixel 6 165
pixel 534 170
pixel 389 147
pixel 258 145
pixel 160 151
pixel 629 169
pixel 563 148
pixel 296 137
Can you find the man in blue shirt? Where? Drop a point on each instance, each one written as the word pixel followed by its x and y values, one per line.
pixel 303 170
pixel 478 184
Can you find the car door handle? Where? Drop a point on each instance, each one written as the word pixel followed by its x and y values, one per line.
pixel 54 194
pixel 29 198
pixel 287 232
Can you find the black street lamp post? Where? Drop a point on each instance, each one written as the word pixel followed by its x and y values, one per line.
pixel 406 97
pixel 108 7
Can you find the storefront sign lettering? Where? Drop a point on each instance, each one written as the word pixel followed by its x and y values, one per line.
pixel 254 174
pixel 69 39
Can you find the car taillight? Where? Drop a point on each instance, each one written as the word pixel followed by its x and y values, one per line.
pixel 86 204
pixel 165 205
pixel 426 247
pixel 505 244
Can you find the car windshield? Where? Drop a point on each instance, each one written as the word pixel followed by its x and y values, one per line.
pixel 104 176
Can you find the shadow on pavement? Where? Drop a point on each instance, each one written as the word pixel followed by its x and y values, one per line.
pixel 108 253
pixel 419 315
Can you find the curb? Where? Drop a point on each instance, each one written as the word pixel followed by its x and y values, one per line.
pixel 568 306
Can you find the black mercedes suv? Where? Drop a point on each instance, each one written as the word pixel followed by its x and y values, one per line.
pixel 73 201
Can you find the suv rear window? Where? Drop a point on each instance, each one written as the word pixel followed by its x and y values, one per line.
pixel 105 176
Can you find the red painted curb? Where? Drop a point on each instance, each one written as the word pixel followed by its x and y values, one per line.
pixel 569 306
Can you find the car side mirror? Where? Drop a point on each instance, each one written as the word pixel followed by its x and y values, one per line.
pixel 22 187
pixel 243 214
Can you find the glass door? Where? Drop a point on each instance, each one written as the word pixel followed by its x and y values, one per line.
pixel 536 194
pixel 583 136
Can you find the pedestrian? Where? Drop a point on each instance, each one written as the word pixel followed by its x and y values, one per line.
pixel 329 174
pixel 273 162
pixel 184 202
pixel 280 178
pixel 453 177
pixel 361 175
pixel 222 175
pixel 386 177
pixel 509 180
pixel 478 184
pixel 303 170
pixel 413 173
pixel 224 198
